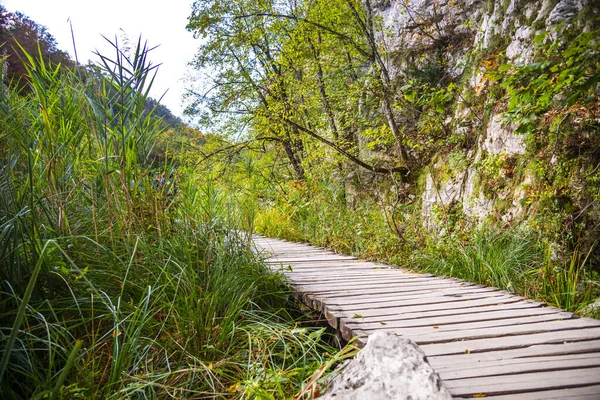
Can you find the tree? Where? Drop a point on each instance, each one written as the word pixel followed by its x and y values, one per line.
pixel 18 33
pixel 269 76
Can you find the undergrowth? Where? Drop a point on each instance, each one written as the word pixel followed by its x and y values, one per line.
pixel 514 259
pixel 121 276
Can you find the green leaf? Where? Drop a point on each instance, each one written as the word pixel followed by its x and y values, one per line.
pixel 540 37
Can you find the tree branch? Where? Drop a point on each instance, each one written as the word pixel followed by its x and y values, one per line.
pixel 402 169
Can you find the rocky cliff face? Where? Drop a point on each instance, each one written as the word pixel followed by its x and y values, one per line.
pixel 492 173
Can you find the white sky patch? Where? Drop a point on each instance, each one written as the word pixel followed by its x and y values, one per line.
pixel 159 22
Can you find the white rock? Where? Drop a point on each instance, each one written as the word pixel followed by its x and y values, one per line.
pixel 520 50
pixel 592 309
pixel 474 203
pixel 501 138
pixel 388 368
pixel 448 192
pixel 565 10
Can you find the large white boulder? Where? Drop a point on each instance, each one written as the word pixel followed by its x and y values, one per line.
pixel 388 368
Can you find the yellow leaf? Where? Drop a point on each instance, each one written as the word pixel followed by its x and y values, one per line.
pixel 479 395
pixel 435 327
pixel 467 351
pixel 233 388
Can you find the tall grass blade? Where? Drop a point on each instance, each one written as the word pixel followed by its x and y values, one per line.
pixel 21 312
pixel 66 369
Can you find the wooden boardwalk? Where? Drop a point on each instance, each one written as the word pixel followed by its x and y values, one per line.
pixel 482 341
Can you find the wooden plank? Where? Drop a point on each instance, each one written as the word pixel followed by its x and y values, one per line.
pixel 308 257
pixel 579 393
pixel 553 349
pixel 462 327
pixel 397 317
pixel 424 306
pixel 328 266
pixel 321 277
pixel 496 385
pixel 519 366
pixel 293 271
pixel 296 249
pixel 445 292
pixel 387 288
pixel 429 335
pixel 349 276
pixel 409 298
pixel 412 320
pixel 368 276
pixel 311 286
pixel 320 299
pixel 511 342
pixel 400 299
pixel 430 303
pixel 359 325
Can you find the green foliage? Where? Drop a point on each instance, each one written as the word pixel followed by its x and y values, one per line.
pixel 122 277
pixel 560 78
pixel 17 31
pixel 500 259
pixel 567 286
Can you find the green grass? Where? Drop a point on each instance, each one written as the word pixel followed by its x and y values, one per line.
pixel 502 259
pixel 514 259
pixel 115 285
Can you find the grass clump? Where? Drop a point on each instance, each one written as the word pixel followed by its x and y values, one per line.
pixel 121 277
pixel 497 258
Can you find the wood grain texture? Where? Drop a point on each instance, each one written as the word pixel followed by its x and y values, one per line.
pixel 482 341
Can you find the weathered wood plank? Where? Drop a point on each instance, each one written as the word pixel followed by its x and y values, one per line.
pixel 511 342
pixel 424 303
pixel 419 307
pixel 365 286
pixel 410 298
pixel 412 321
pixel 319 299
pixel 363 281
pixel 430 335
pixel 404 316
pixel 578 393
pixel 446 292
pixel 452 314
pixel 471 326
pixel 496 385
pixel 414 298
pixel 388 288
pixel 369 276
pixel 553 349
pixel 519 365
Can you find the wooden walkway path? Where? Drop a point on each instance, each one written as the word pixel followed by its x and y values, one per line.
pixel 482 341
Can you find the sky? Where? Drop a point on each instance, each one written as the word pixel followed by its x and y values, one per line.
pixel 159 22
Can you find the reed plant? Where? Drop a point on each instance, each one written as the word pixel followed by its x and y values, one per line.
pixel 567 285
pixel 122 278
pixel 503 259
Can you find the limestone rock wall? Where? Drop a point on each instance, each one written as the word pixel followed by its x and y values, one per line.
pixel 467 30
